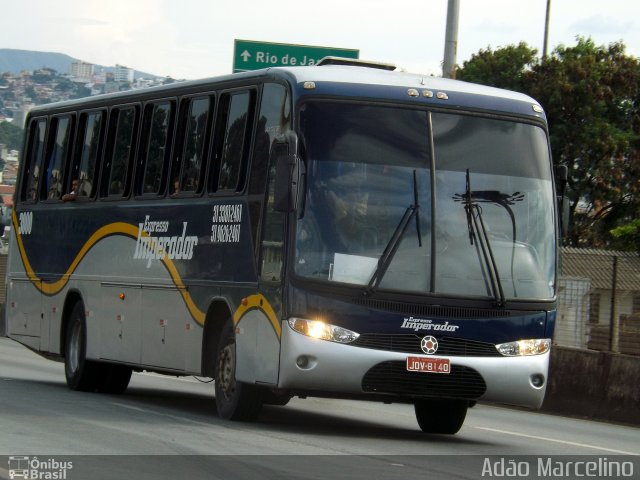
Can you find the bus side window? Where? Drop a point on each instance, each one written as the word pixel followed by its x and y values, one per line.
pixel 191 149
pixel 57 156
pixel 33 159
pixel 235 118
pixel 157 134
pixel 122 135
pixel 85 168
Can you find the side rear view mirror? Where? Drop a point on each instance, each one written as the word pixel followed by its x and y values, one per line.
pixel 289 173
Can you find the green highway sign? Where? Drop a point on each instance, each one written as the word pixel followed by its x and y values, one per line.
pixel 250 55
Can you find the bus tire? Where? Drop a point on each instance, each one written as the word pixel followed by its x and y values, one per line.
pixel 81 374
pixel 114 379
pixel 440 416
pixel 234 400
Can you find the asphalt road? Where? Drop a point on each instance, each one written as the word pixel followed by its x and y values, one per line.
pixel 165 427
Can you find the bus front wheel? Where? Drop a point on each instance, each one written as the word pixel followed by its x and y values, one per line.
pixel 234 400
pixel 441 416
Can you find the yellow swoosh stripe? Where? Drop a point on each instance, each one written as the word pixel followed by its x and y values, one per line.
pixel 259 302
pixel 117 228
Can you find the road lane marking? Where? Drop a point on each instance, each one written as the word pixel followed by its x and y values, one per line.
pixel 565 442
pixel 166 415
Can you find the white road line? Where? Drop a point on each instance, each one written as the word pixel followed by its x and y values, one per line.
pixel 565 442
pixel 166 415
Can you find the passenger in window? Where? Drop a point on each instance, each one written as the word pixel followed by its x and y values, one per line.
pixel 72 195
pixel 85 188
pixel 176 188
pixel 32 193
pixel 54 188
pixel 116 188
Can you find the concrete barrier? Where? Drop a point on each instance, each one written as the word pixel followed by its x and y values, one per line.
pixel 595 385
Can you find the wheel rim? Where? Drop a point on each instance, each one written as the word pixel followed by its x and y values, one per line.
pixel 226 371
pixel 74 349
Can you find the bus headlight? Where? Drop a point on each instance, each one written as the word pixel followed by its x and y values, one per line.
pixel 323 331
pixel 525 347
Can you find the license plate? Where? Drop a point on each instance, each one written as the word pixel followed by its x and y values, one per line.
pixel 428 365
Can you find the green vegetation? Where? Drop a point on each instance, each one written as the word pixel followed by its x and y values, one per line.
pixel 591 95
pixel 628 236
pixel 11 136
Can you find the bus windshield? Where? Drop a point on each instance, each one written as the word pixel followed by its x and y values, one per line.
pixel 369 216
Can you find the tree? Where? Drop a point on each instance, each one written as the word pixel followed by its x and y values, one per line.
pixel 64 85
pixel 30 92
pixel 503 68
pixel 11 136
pixel 81 91
pixel 44 75
pixel 591 96
pixel 628 236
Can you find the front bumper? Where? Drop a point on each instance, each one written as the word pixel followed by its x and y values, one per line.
pixel 308 364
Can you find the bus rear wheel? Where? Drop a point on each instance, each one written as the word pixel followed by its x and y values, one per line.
pixel 234 400
pixel 441 416
pixel 81 374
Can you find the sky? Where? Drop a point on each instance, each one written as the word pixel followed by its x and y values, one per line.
pixel 190 39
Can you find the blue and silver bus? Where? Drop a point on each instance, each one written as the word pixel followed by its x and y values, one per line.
pixel 340 230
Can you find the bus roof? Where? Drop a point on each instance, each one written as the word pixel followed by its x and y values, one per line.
pixel 394 85
pixel 376 76
pixel 341 80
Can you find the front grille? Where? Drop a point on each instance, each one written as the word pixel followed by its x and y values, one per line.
pixel 410 343
pixel 421 310
pixel 393 378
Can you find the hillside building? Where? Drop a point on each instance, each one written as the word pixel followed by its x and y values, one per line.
pixel 123 74
pixel 82 71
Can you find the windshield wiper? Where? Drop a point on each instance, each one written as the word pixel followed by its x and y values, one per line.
pixel 394 242
pixel 478 231
pixel 505 200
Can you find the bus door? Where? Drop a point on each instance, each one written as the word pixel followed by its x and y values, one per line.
pixel 25 308
pixel 262 348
